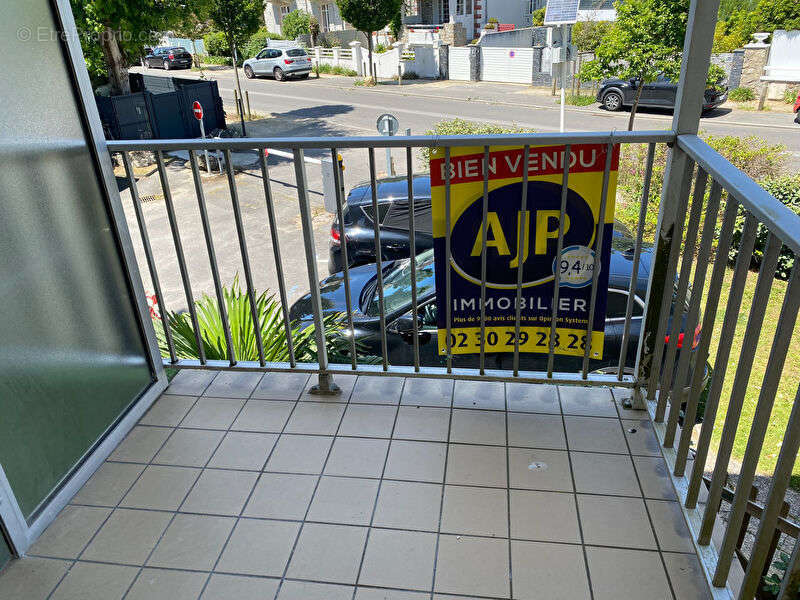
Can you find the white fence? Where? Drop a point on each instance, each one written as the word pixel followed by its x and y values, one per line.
pixel 514 65
pixel 458 63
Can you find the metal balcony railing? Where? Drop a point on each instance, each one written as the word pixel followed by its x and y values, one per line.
pixel 713 196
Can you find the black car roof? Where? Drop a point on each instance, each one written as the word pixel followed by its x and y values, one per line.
pixel 389 189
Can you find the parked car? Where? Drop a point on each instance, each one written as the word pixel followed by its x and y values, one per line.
pixel 174 57
pixel 616 93
pixel 796 109
pixel 279 63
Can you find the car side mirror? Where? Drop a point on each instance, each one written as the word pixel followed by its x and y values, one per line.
pixel 402 326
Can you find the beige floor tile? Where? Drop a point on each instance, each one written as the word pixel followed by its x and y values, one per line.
pixel 687 576
pixel 345 383
pixel 329 553
pixel 475 511
pixel 416 461
pixel 544 516
pixel 108 484
pixel 654 477
pixel 128 536
pixel 641 437
pixel 161 488
pixel 280 386
pixel 366 593
pixel 422 423
pixel 621 397
pixel 478 427
pixel 263 416
pixel 158 584
pixel 527 397
pixel 141 444
pixel 399 559
pixel 604 474
pixel 474 566
pixel 377 390
pixel 315 418
pixel 192 542
pixel 303 590
pixel 68 535
pixel 552 571
pixel 299 454
pixel 190 383
pixel 479 394
pixel 189 448
pixel 31 578
pixel 243 450
pixel 420 391
pixel 233 384
pixel 536 431
pixel 357 457
pixel 213 413
pixel 89 581
pixel 367 420
pixel 239 587
pixel 259 548
pixel 546 470
pixel 281 496
pixel 670 526
pixel 595 434
pixel 614 521
pixel 617 574
pixel 220 492
pixel 344 500
pixel 407 505
pixel 476 465
pixel 168 410
pixel 587 401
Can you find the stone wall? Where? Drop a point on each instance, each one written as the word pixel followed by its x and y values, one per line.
pixel 755 59
pixel 453 34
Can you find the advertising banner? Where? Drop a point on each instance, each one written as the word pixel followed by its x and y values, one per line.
pixel 541 221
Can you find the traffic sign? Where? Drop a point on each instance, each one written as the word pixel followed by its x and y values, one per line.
pixel 387 124
pixel 197 109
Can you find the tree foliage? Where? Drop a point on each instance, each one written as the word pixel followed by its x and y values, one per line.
pixel 537 18
pixel 296 23
pixel 237 19
pixel 587 35
pixel 737 28
pixel 368 16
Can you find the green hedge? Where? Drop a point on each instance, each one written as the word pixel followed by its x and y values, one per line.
pixel 216 44
pixel 742 94
pixel 257 42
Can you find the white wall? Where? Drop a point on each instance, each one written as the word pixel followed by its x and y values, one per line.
pixel 507 11
pixel 513 65
pixel 458 63
pixel 784 57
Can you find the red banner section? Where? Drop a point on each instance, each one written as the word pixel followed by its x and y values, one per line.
pixel 542 160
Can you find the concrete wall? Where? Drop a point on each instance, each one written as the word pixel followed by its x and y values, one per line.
pixel 784 57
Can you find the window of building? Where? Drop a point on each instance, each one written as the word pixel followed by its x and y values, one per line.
pixel 459 7
pixel 284 10
pixel 468 6
pixel 325 17
pixel 444 11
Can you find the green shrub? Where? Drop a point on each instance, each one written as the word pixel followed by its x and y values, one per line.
pixel 216 60
pixel 381 48
pixel 537 18
pixel 790 95
pixel 257 42
pixel 295 23
pixel 216 44
pixel 337 70
pixel 787 190
pixel 464 127
pixel 741 94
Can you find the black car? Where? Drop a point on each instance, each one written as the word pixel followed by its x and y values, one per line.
pixel 174 57
pixel 616 93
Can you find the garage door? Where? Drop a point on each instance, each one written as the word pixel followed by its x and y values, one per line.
pixel 458 64
pixel 513 65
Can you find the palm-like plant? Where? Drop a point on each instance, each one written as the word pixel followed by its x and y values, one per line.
pixel 243 338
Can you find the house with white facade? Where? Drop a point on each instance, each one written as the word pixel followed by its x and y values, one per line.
pixel 325 11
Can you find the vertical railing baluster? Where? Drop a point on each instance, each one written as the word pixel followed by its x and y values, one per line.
pixel 325 385
pixel 559 248
pixel 598 257
pixel 707 331
pixel 412 239
pixel 637 254
pixel 485 213
pixel 337 184
pixel 378 255
pixel 148 253
pixel 679 302
pixel 725 338
pixel 746 357
pixel 212 256
pixel 176 238
pixel 763 410
pixel 248 274
pixel 790 586
pixel 447 224
pixel 522 244
pixel 276 253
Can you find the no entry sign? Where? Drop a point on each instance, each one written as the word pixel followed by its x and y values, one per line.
pixel 197 109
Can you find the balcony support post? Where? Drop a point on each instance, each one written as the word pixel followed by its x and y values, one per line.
pixel 675 193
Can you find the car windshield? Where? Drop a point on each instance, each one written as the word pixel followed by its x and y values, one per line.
pixel 177 49
pixel 296 52
pixel 397 284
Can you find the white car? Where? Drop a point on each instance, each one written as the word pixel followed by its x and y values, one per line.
pixel 279 63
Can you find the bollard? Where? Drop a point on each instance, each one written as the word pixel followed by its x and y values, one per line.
pixel 247 97
pixel 399 75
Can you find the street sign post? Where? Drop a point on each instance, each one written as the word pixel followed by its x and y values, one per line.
pixel 388 124
pixel 197 111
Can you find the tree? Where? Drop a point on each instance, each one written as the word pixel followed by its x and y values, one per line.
pixel 368 16
pixel 778 14
pixel 192 22
pixel 122 28
pixel 645 41
pixel 587 35
pixel 238 20
pixel 537 18
pixel 296 23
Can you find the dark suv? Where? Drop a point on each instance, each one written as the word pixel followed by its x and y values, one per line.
pixel 616 93
pixel 174 57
